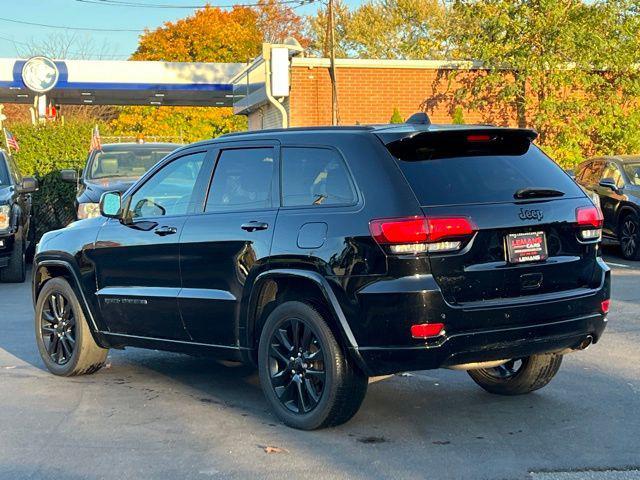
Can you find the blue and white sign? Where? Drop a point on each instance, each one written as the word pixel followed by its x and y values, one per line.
pixel 40 74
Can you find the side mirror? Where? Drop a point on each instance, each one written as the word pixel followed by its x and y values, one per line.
pixel 111 205
pixel 69 175
pixel 610 184
pixel 28 185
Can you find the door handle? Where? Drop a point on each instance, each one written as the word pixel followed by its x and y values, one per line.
pixel 163 231
pixel 253 226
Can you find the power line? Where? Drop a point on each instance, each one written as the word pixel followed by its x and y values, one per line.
pixel 298 3
pixel 76 54
pixel 126 3
pixel 86 29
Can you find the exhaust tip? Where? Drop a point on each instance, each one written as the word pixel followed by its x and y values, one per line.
pixel 586 343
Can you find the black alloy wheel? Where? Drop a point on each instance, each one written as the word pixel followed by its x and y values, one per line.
pixel 506 370
pixel 63 336
pixel 305 375
pixel 630 237
pixel 296 365
pixel 58 324
pixel 519 375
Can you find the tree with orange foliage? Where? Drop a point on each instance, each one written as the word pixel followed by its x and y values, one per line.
pixel 209 35
pixel 277 21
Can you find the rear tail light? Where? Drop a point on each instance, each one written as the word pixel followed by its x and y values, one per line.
pixel 421 234
pixel 589 220
pixel 427 330
pixel 605 305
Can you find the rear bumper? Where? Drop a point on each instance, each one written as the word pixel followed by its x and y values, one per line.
pixel 494 330
pixel 485 345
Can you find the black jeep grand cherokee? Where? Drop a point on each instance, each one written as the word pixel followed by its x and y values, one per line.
pixel 329 255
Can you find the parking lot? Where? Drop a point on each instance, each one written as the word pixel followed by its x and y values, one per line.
pixel 159 415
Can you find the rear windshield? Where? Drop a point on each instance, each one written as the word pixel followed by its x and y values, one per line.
pixel 130 162
pixel 482 177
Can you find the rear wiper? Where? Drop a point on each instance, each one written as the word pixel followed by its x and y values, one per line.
pixel 535 192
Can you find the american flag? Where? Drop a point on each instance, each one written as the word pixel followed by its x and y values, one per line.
pixel 95 140
pixel 11 141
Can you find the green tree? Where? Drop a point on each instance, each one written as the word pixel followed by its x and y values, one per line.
pixel 563 67
pixel 406 29
pixel 318 34
pixel 458 116
pixel 396 117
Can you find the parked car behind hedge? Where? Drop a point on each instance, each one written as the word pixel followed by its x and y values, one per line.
pixel 113 168
pixel 15 219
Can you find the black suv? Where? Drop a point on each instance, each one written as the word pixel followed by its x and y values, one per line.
pixel 113 168
pixel 330 255
pixel 616 180
pixel 16 230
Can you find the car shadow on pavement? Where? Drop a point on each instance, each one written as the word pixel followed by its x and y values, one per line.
pixel 439 411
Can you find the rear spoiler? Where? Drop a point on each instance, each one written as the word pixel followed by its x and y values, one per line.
pixel 430 143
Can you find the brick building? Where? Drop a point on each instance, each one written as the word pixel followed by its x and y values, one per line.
pixel 368 90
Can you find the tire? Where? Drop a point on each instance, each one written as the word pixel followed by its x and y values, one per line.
pixel 322 370
pixel 86 356
pixel 16 270
pixel 533 373
pixel 629 235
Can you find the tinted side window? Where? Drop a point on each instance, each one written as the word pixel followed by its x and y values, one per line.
pixel 580 172
pixel 592 173
pixel 15 170
pixel 170 190
pixel 633 171
pixel 612 171
pixel 4 173
pixel 314 176
pixel 243 180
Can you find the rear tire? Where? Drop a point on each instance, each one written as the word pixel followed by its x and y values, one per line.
pixel 629 236
pixel 306 377
pixel 63 336
pixel 518 376
pixel 16 270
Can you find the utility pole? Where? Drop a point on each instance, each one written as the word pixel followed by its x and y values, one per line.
pixel 335 119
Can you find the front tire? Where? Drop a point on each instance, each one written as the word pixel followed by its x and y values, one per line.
pixel 629 235
pixel 518 376
pixel 16 270
pixel 64 340
pixel 306 377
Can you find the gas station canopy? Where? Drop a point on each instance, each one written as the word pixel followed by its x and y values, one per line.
pixel 100 82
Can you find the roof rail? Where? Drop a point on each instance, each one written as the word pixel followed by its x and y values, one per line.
pixel 419 118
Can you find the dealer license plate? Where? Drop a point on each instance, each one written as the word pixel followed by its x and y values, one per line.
pixel 526 247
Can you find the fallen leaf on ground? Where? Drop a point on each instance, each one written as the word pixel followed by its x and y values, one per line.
pixel 270 449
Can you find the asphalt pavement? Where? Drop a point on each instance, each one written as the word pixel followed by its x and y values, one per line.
pixel 155 415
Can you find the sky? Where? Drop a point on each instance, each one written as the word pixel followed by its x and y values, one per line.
pixel 15 38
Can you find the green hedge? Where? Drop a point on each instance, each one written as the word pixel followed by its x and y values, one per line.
pixel 44 151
